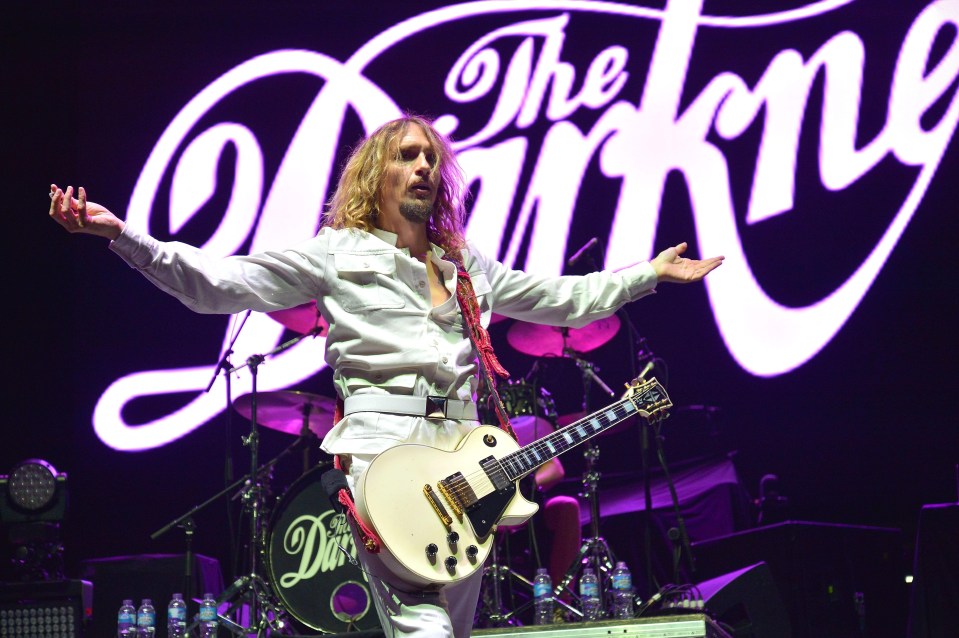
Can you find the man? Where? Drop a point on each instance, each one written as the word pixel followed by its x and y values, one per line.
pixel 381 278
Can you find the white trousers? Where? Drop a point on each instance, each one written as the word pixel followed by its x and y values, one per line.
pixel 405 612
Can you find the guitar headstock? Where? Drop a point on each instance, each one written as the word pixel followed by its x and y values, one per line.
pixel 650 398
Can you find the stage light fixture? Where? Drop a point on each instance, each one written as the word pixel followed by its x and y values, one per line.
pixel 34 491
pixel 32 484
pixel 33 503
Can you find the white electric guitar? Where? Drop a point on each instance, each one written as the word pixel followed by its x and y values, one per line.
pixel 435 511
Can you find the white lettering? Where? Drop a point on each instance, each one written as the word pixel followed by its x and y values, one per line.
pixel 640 145
pixel 316 541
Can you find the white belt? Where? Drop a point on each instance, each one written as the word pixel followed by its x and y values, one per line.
pixel 431 407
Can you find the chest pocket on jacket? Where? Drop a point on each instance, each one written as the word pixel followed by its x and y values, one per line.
pixel 367 281
pixel 482 289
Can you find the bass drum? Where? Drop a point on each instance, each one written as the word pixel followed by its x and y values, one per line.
pixel 311 576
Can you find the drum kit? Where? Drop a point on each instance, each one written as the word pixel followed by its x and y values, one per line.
pixel 304 547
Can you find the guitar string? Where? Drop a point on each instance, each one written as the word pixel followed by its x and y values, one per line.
pixel 543 447
pixel 481 482
pixel 461 485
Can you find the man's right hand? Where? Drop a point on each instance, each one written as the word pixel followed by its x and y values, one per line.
pixel 81 216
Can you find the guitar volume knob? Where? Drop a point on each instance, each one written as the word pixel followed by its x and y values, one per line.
pixel 471 553
pixel 450 563
pixel 431 551
pixel 452 538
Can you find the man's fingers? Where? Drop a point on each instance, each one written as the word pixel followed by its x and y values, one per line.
pixel 82 208
pixel 66 200
pixel 54 200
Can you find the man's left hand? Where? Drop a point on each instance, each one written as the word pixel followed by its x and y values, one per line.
pixel 671 266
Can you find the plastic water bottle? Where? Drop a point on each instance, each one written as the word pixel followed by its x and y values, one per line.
pixel 622 591
pixel 543 597
pixel 208 616
pixel 589 594
pixel 176 617
pixel 146 620
pixel 127 620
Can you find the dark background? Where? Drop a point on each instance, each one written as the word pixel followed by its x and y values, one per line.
pixel 863 434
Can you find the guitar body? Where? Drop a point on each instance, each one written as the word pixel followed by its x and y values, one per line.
pixel 436 511
pixel 391 499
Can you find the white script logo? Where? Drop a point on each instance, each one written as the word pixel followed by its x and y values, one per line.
pixel 637 140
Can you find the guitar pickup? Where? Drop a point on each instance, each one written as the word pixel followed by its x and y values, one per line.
pixel 457 492
pixel 437 506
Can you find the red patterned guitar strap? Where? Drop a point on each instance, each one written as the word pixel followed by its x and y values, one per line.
pixel 371 541
pixel 488 362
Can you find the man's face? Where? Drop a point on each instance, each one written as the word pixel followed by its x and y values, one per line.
pixel 409 184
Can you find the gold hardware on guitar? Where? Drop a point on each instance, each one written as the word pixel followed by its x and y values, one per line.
pixel 445 518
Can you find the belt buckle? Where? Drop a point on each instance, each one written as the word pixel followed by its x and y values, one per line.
pixel 435 407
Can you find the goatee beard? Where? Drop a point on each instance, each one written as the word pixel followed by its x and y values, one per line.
pixel 416 210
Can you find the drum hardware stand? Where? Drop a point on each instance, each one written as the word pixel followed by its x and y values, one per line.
pixel 492 595
pixel 225 366
pixel 496 574
pixel 595 551
pixel 266 614
pixel 496 614
pixel 186 521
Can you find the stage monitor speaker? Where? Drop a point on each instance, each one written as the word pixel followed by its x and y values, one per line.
pixel 747 603
pixel 841 581
pixel 54 609
pixel 153 576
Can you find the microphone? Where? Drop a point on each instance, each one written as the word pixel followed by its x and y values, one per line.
pixel 333 481
pixel 582 251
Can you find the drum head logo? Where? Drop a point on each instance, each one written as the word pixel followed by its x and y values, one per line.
pixel 311 547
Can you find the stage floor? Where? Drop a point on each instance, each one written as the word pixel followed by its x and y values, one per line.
pixel 671 626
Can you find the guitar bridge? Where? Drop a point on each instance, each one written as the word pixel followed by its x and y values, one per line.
pixel 437 506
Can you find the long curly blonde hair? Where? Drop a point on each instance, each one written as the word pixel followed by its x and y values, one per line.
pixel 355 203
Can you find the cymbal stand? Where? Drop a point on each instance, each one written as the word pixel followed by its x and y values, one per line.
pixel 186 521
pixel 266 615
pixel 491 596
pixel 495 574
pixel 595 551
pixel 224 365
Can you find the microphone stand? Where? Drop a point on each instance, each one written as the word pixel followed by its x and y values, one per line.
pixel 187 522
pixel 224 365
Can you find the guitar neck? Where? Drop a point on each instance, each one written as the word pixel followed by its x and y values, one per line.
pixel 529 457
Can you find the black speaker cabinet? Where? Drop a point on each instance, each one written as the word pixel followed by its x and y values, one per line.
pixel 747 603
pixel 153 576
pixel 835 580
pixel 935 590
pixel 53 609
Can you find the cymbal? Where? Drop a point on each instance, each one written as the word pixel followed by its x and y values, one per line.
pixel 552 341
pixel 302 319
pixel 287 410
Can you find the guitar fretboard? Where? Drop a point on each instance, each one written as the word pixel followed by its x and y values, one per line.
pixel 528 458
